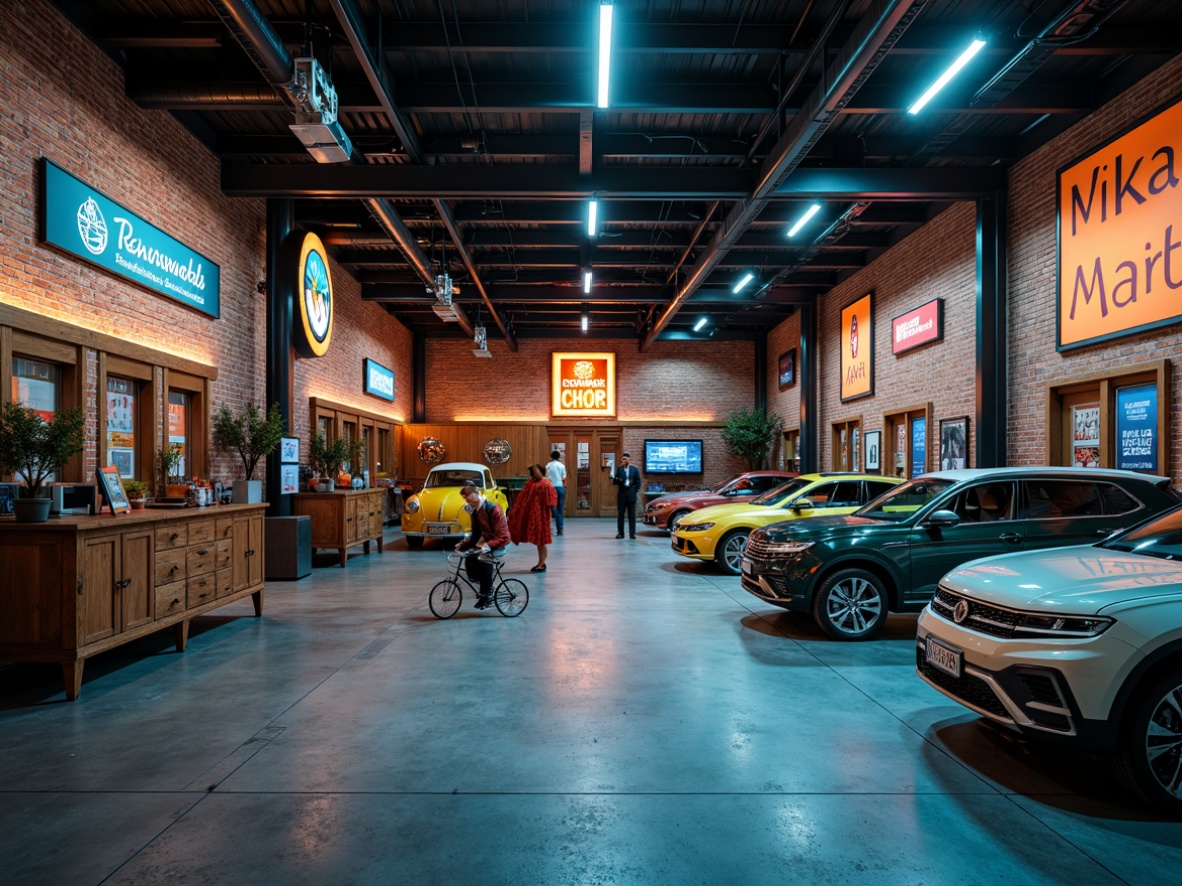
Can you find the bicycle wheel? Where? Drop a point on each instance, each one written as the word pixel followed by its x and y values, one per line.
pixel 445 598
pixel 512 597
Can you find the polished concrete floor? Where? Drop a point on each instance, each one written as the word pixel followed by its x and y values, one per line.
pixel 644 721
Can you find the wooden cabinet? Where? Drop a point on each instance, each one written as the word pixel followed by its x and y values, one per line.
pixel 77 586
pixel 341 520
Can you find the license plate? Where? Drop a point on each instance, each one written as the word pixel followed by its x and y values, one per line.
pixel 945 658
pixel 438 528
pixel 745 566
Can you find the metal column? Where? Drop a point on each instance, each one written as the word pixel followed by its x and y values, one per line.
pixel 992 349
pixel 810 455
pixel 280 317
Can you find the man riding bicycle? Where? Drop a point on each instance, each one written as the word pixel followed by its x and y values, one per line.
pixel 490 530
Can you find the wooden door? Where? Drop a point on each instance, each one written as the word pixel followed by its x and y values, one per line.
pixel 96 603
pixel 607 460
pixel 137 592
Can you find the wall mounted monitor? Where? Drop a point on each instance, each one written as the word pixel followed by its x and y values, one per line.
pixel 673 456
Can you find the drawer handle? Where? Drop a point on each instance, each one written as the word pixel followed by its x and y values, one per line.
pixel 175 601
pixel 202 553
pixel 174 536
pixel 175 567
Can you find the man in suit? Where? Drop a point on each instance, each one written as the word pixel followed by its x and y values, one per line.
pixel 627 481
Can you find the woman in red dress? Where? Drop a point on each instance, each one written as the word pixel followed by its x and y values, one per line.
pixel 529 518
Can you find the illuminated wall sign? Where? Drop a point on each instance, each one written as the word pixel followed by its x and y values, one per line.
pixel 1119 230
pixel 857 349
pixel 86 223
pixel 583 384
pixel 379 380
pixel 924 324
pixel 314 294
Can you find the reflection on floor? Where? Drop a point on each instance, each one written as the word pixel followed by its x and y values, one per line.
pixel 644 721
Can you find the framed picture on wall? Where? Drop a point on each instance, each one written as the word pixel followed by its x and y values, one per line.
pixel 857 348
pixel 954 443
pixel 873 448
pixel 289 479
pixel 289 450
pixel 787 366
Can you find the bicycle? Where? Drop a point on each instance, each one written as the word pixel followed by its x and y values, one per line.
pixel 510 595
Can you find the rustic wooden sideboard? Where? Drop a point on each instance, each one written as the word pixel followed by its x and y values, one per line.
pixel 343 519
pixel 73 587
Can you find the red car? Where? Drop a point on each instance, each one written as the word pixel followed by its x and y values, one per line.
pixel 666 510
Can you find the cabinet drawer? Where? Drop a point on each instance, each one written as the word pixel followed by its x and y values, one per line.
pixel 170 598
pixel 170 567
pixel 224 553
pixel 201 589
pixel 174 535
pixel 202 531
pixel 199 559
pixel 225 528
pixel 225 581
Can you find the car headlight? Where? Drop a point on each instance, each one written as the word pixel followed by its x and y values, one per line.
pixel 1062 625
pixel 694 527
pixel 412 505
pixel 658 506
pixel 786 547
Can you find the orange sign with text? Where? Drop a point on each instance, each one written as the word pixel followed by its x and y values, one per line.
pixel 583 384
pixel 1120 267
pixel 857 349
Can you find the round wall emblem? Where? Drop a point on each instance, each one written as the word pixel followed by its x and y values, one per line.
pixel 431 450
pixel 315 298
pixel 497 451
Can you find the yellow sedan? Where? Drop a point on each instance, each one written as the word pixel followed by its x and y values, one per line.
pixel 719 532
pixel 438 510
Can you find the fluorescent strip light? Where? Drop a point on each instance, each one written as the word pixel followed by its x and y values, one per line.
pixel 741 285
pixel 592 218
pixel 698 326
pixel 605 51
pixel 952 71
pixel 586 281
pixel 804 219
pixel 586 322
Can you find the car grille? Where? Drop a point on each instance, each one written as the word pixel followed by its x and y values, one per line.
pixel 758 549
pixel 992 620
pixel 969 689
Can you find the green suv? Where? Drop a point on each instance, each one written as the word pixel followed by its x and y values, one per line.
pixel 888 556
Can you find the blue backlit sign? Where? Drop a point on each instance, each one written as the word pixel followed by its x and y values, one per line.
pixel 379 380
pixel 86 223
pixel 1136 428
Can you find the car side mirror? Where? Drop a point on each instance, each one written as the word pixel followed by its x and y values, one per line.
pixel 799 504
pixel 942 518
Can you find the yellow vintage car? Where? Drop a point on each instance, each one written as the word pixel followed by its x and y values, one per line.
pixel 719 532
pixel 438 510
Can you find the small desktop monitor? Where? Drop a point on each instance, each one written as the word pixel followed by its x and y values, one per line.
pixel 673 456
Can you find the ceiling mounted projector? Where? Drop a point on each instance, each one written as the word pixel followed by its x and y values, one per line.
pixel 316 124
pixel 481 349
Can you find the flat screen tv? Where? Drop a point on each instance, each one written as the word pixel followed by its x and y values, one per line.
pixel 673 456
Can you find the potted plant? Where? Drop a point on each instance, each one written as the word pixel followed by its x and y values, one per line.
pixel 326 459
pixel 32 449
pixel 137 491
pixel 356 461
pixel 252 435
pixel 168 461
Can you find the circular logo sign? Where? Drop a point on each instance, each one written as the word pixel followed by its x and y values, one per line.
pixel 315 298
pixel 92 227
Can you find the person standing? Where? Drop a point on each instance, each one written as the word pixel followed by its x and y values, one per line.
pixel 556 474
pixel 529 519
pixel 627 482
pixel 490 530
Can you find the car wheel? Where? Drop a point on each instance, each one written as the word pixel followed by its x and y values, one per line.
pixel 1149 754
pixel 730 550
pixel 675 518
pixel 414 541
pixel 851 605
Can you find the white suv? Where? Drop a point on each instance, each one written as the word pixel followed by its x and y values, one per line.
pixel 1080 645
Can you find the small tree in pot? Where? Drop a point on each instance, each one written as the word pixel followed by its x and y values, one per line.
pixel 32 449
pixel 749 433
pixel 252 435
pixel 168 462
pixel 326 459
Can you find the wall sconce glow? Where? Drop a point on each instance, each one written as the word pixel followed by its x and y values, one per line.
pixel 702 321
pixel 605 51
pixel 586 321
pixel 943 79
pixel 804 219
pixel 587 281
pixel 742 284
pixel 592 218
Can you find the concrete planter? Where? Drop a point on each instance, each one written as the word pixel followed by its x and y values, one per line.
pixel 248 492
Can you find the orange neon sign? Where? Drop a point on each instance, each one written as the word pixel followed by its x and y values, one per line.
pixel 583 384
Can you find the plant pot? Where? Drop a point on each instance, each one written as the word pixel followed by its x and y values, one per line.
pixel 325 484
pixel 137 504
pixel 176 490
pixel 31 510
pixel 248 492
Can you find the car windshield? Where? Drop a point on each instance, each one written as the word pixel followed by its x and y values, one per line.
pixel 455 477
pixel 775 497
pixel 1160 537
pixel 905 499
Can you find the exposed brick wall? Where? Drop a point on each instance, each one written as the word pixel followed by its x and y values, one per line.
pixel 784 403
pixel 938 260
pixel 1034 363
pixel 62 98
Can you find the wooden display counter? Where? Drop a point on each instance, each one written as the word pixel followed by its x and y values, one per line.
pixel 343 519
pixel 73 587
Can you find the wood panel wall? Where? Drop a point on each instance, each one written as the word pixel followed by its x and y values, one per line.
pixel 465 442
